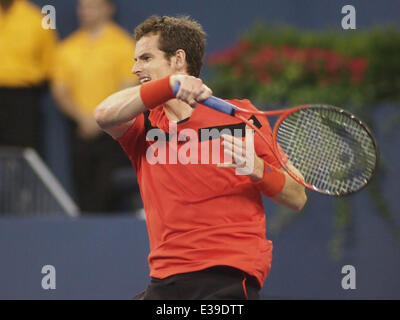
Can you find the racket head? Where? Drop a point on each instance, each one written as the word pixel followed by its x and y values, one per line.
pixel 334 151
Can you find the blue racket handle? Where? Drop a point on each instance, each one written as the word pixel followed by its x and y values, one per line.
pixel 214 103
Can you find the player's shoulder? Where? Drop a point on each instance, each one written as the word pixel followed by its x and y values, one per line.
pixel 242 103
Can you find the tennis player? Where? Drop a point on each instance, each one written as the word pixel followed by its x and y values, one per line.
pixel 206 223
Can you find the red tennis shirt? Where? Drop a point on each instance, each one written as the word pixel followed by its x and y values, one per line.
pixel 198 215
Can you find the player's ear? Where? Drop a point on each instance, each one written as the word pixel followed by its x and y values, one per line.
pixel 180 60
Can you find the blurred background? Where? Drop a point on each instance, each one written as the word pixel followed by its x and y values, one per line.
pixel 69 198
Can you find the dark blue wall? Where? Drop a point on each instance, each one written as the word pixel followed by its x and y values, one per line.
pixel 105 258
pixel 224 20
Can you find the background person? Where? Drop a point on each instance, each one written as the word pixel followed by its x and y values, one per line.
pixel 92 63
pixel 26 53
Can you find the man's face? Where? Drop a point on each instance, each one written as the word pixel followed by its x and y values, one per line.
pixel 92 12
pixel 151 63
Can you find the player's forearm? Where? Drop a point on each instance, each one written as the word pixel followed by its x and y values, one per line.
pixel 293 194
pixel 125 105
pixel 119 108
pixel 278 185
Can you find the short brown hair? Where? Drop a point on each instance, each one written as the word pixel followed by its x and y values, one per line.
pixel 175 33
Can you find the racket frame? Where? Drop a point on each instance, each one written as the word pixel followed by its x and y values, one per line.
pixel 287 113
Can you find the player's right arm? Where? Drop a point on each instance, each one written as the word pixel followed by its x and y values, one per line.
pixel 117 113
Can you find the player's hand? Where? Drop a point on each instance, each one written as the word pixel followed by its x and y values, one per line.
pixel 236 149
pixel 192 90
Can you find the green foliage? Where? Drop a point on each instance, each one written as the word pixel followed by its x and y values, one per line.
pixel 282 66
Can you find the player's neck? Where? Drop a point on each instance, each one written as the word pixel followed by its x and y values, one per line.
pixel 176 110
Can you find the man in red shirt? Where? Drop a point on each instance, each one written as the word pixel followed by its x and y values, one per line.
pixel 206 223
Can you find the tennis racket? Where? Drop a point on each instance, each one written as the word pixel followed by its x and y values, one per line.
pixel 334 151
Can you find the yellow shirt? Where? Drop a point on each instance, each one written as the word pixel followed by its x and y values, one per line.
pixel 92 69
pixel 26 49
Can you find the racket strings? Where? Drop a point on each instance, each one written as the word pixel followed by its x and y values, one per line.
pixel 332 151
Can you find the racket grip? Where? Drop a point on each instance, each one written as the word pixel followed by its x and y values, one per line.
pixel 213 102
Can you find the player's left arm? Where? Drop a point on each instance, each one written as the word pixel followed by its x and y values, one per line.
pixel 291 194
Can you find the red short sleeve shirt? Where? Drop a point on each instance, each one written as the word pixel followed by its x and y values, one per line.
pixel 198 215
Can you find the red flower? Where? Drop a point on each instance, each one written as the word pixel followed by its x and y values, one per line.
pixel 264 77
pixel 229 55
pixel 316 53
pixel 314 59
pixel 334 62
pixel 357 69
pixel 293 54
pixel 288 52
pixel 323 67
pixel 262 57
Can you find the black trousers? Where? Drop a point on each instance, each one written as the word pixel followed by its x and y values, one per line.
pixel 215 283
pixel 20 117
pixel 93 163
